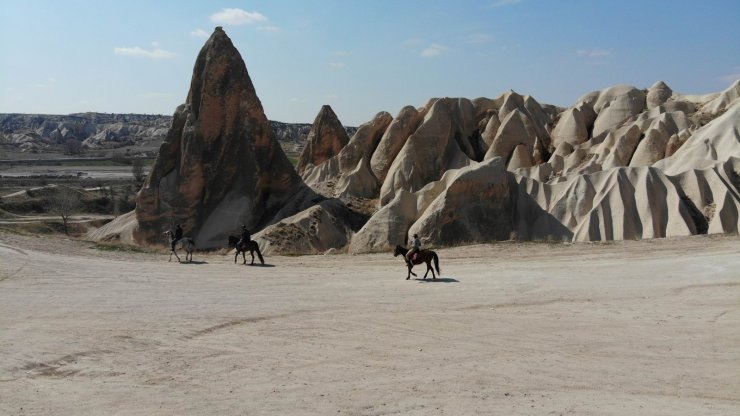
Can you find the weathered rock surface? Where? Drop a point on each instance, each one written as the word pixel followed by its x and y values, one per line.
pixel 615 105
pixel 446 139
pixel 715 142
pixel 344 174
pixel 325 140
pixel 405 123
pixel 658 94
pixel 316 230
pixel 472 202
pixel 220 165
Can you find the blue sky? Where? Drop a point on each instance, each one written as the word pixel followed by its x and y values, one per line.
pixel 360 57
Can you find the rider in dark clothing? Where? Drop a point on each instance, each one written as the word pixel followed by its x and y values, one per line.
pixel 245 237
pixel 176 236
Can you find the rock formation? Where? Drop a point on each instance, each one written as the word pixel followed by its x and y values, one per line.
pixel 622 163
pixel 325 140
pixel 219 166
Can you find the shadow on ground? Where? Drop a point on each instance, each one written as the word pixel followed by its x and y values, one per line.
pixel 437 280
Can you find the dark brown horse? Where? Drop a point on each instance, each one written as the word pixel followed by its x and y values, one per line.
pixel 251 246
pixel 423 256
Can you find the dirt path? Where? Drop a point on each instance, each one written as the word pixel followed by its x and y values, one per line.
pixel 648 327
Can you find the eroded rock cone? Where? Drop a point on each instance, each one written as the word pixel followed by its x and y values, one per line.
pixel 325 140
pixel 219 166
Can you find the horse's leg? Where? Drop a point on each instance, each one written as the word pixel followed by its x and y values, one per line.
pixel 251 253
pixel 429 265
pixel 428 268
pixel 178 257
pixel 236 255
pixel 244 256
pixel 170 257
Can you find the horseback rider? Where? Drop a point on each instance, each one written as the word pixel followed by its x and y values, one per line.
pixel 415 248
pixel 245 237
pixel 176 236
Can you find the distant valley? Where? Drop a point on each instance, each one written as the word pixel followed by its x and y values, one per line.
pixel 101 133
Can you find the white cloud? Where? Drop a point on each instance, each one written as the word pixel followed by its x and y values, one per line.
pixel 199 33
pixel 155 44
pixel 480 38
pixel 269 28
pixel 236 17
pixel 433 50
pixel 593 53
pixel 140 52
pixel 502 3
pixel 336 65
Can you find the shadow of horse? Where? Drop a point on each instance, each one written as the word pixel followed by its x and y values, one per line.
pixel 196 262
pixel 439 280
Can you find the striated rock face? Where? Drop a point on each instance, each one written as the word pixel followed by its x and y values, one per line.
pixel 219 166
pixel 325 140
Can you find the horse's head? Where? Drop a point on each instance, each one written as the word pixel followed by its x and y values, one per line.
pixel 167 233
pixel 397 251
pixel 232 241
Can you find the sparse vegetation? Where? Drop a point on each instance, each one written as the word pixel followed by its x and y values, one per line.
pixel 65 203
pixel 137 170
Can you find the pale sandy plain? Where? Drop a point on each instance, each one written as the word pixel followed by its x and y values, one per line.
pixel 627 328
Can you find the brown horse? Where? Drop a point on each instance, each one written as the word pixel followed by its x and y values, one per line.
pixel 251 246
pixel 423 256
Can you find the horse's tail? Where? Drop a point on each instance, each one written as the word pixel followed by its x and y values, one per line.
pixel 436 262
pixel 259 253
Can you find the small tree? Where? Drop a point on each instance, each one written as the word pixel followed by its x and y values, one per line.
pixel 65 202
pixel 72 147
pixel 137 169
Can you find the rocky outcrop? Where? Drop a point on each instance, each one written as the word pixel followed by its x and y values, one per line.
pixel 715 142
pixel 614 106
pixel 446 139
pixel 405 123
pixel 571 128
pixel 325 140
pixel 219 166
pixel 344 174
pixel 658 94
pixel 315 230
pixel 473 202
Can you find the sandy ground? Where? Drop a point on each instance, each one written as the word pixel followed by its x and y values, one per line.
pixel 629 328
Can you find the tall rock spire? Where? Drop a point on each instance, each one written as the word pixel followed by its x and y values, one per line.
pixel 326 138
pixel 219 166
